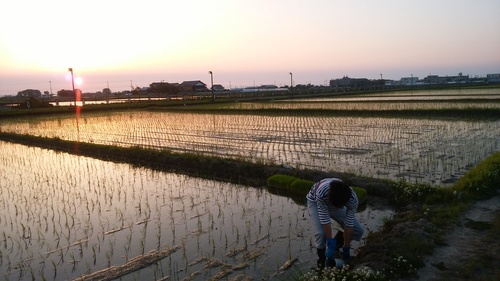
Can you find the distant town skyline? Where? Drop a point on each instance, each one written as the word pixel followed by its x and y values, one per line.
pixel 244 43
pixel 405 80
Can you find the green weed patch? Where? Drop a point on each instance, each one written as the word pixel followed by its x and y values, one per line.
pixel 483 180
pixel 301 187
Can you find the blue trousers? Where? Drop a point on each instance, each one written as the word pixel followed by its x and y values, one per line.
pixel 338 215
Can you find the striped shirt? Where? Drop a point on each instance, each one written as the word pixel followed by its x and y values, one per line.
pixel 319 194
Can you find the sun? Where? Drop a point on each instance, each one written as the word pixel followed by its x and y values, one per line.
pixel 78 81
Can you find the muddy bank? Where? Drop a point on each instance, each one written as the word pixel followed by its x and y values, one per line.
pixel 471 248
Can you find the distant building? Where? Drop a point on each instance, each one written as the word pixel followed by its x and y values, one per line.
pixel 164 87
pixel 263 88
pixel 435 79
pixel 218 88
pixel 268 87
pixel 349 82
pixel 157 85
pixel 493 78
pixel 408 80
pixel 193 86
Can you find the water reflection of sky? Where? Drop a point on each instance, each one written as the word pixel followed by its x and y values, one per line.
pixel 435 151
pixel 368 104
pixel 406 97
pixel 414 99
pixel 466 93
pixel 64 216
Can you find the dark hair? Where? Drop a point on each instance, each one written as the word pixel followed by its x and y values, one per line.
pixel 339 193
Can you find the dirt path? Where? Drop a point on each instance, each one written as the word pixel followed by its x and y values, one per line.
pixel 467 248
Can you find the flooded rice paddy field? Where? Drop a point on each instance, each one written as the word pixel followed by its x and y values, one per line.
pixel 375 104
pixel 404 100
pixel 436 151
pixel 64 216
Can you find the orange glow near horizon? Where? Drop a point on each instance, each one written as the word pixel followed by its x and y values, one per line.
pixel 239 39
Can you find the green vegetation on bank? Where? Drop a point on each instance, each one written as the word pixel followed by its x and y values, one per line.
pixel 483 180
pixel 425 216
pixel 301 186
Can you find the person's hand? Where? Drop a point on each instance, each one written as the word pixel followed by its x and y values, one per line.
pixel 330 248
pixel 346 253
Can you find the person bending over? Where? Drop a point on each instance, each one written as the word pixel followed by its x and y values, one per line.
pixel 328 199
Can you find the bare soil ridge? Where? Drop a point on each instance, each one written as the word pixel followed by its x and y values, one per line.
pixel 466 245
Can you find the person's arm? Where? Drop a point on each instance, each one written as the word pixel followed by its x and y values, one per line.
pixel 327 230
pixel 347 236
pixel 330 242
pixel 351 207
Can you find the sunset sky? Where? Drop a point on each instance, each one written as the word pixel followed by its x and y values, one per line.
pixel 243 42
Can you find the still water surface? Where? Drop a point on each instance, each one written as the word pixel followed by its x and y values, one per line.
pixel 64 216
pixel 435 151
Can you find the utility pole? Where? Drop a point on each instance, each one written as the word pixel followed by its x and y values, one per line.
pixel 291 83
pixel 212 80
pixel 50 86
pixel 72 82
